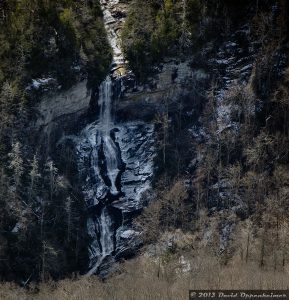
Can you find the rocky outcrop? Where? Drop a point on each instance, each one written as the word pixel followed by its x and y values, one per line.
pixel 232 66
pixel 116 159
pixel 136 145
pixel 115 163
pixel 114 13
pixel 171 79
pixel 175 80
pixel 74 101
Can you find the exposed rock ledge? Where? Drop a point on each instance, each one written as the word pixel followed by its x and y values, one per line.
pixel 173 79
pixel 77 99
pixel 74 100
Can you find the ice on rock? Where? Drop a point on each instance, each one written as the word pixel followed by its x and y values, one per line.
pixel 127 234
pixel 116 165
pixel 40 83
pixel 132 147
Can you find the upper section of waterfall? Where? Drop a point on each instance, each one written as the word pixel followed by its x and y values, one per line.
pixel 105 99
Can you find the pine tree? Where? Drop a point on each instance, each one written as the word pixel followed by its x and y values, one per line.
pixel 16 164
pixel 34 176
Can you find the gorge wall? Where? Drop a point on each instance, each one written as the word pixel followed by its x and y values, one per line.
pixel 161 125
pixel 115 153
pixel 117 164
pixel 115 159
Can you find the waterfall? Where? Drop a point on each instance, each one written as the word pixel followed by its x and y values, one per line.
pixel 105 98
pixel 112 156
pixel 116 165
pixel 106 239
pixel 106 233
pixel 111 152
pixel 105 123
pixel 112 170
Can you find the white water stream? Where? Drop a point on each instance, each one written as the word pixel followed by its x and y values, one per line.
pixel 105 122
pixel 110 151
pixel 107 239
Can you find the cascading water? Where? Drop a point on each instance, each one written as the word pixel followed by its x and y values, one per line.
pixel 106 239
pixel 106 236
pixel 110 152
pixel 112 162
pixel 115 166
pixel 115 163
pixel 105 98
pixel 105 122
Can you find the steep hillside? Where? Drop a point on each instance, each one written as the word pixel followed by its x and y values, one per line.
pixel 46 48
pixel 223 130
pixel 156 129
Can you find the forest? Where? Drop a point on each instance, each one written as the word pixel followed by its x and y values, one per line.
pixel 143 144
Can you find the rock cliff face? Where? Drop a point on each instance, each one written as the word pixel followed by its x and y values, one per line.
pixel 173 78
pixel 136 152
pixel 116 152
pixel 115 157
pixel 200 130
pixel 114 13
pixel 74 101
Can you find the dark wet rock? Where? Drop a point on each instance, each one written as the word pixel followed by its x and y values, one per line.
pixel 135 141
pixel 127 241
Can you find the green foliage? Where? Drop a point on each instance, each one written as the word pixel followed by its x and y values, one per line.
pixel 65 40
pixel 136 38
pixel 45 38
pixel 66 18
pixel 157 30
